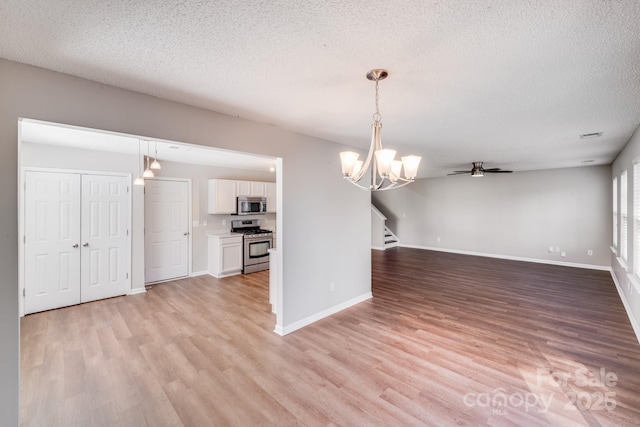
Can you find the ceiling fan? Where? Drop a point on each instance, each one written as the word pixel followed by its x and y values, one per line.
pixel 478 170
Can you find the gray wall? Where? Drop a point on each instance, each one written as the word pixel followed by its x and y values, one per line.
pixel 377 229
pixel 629 287
pixel 326 221
pixel 516 215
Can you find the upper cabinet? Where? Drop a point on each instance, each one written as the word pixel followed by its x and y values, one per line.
pixel 250 188
pixel 223 194
pixel 257 189
pixel 243 188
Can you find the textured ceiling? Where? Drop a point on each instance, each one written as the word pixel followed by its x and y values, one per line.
pixel 510 83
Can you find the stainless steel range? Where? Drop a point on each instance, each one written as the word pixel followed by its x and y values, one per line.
pixel 257 243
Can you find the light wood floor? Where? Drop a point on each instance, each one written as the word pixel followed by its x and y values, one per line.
pixel 446 340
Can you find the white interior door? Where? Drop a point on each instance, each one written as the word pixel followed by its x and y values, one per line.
pixel 52 238
pixel 104 237
pixel 166 223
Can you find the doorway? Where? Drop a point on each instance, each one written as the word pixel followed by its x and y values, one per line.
pixel 167 229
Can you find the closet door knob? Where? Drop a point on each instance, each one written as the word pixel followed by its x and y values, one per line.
pixel 76 245
pixel 86 245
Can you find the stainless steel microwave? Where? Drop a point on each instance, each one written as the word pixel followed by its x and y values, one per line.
pixel 251 205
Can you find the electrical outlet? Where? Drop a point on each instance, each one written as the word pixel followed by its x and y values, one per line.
pixel 332 286
pixel 224 222
pixel 439 239
pixel 590 252
pixel 550 249
pixel 204 223
pixel 557 249
pixel 563 254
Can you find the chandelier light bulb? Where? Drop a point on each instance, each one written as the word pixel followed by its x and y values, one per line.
pixel 384 160
pixel 155 164
pixel 411 164
pixel 348 159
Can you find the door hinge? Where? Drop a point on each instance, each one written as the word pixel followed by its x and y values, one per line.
pixel 24 293
pixel 127 275
pixel 127 232
pixel 127 188
pixel 24 239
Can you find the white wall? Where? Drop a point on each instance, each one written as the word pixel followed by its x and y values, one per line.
pixel 326 222
pixel 517 215
pixel 628 286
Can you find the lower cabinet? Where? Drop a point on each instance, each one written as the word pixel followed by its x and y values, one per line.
pixel 225 255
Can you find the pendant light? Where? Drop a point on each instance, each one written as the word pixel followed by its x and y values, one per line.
pixel 385 171
pixel 139 180
pixel 148 173
pixel 155 164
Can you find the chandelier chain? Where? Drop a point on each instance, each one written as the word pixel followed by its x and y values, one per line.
pixel 376 116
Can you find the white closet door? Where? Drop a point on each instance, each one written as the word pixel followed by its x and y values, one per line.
pixel 104 237
pixel 52 237
pixel 166 225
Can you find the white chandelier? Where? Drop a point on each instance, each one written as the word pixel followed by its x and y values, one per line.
pixel 385 172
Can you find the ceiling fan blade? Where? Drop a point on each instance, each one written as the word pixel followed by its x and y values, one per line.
pixel 492 169
pixel 462 171
pixel 459 173
pixel 498 171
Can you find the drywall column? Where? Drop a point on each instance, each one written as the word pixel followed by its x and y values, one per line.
pixel 326 221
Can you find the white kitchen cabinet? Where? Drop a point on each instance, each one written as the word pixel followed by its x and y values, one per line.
pixel 222 196
pixel 225 255
pixel 257 189
pixel 270 192
pixel 250 188
pixel 243 188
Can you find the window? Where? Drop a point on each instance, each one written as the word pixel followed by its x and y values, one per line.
pixel 623 216
pixel 615 212
pixel 636 219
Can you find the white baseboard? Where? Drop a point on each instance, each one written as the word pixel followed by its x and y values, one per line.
pixel 513 258
pixel 627 306
pixel 199 273
pixel 378 248
pixel 135 291
pixel 280 330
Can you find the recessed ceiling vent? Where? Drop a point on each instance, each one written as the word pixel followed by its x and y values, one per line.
pixel 590 135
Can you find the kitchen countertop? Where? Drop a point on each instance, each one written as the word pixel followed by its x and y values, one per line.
pixel 223 234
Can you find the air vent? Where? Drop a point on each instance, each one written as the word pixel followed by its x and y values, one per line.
pixel 587 161
pixel 590 135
